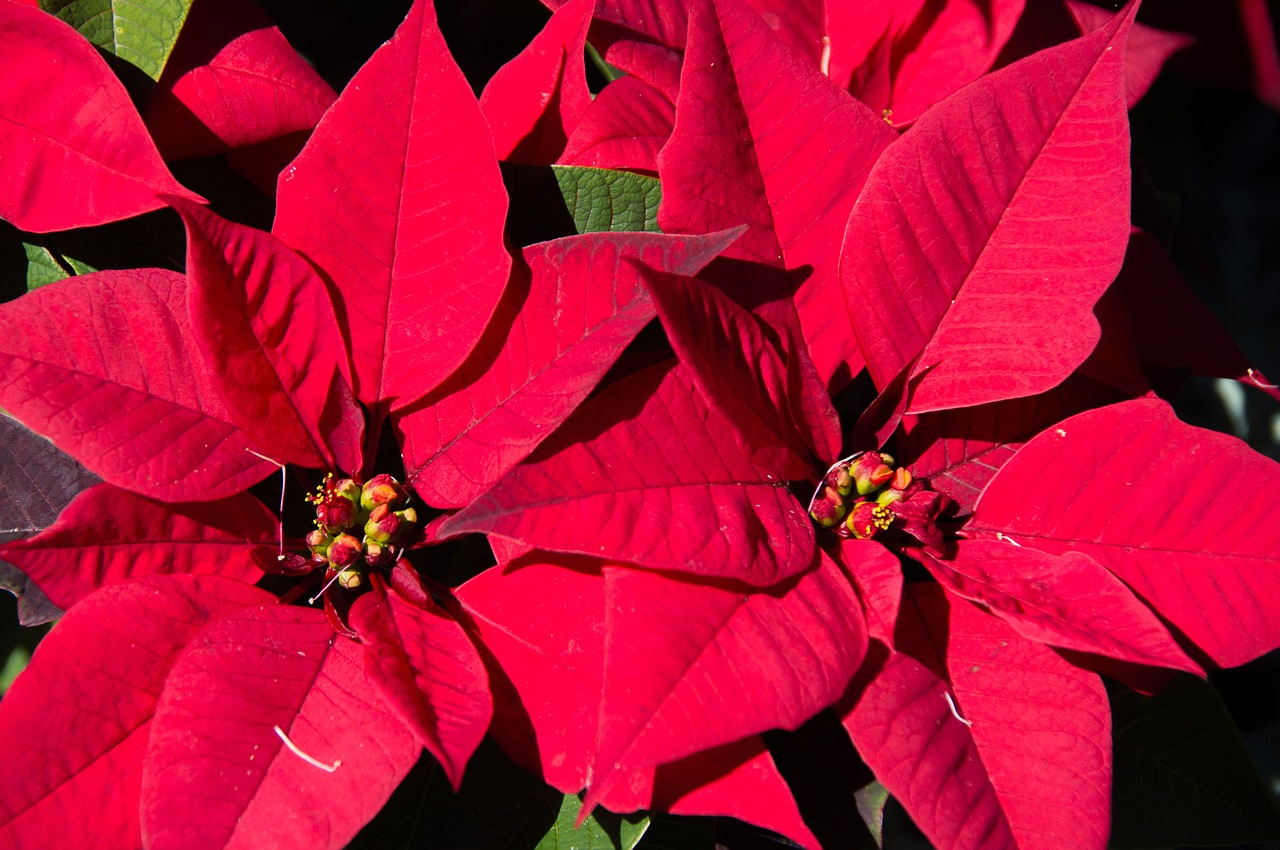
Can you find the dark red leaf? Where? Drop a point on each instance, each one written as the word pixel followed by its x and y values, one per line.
pixel 1027 168
pixel 108 368
pixel 75 149
pixel 1180 514
pixel 408 220
pixel 232 81
pixel 428 671
pixel 242 678
pixel 282 376
pixel 536 100
pixel 920 54
pixel 108 535
pixel 551 341
pixel 646 473
pixel 36 482
pixel 76 722
pixel 1166 313
pixel 1147 51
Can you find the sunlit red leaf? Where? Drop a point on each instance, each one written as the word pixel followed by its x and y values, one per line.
pixel 281 377
pixel 625 127
pixel 732 359
pixel 429 673
pixel 876 574
pixel 959 450
pixel 108 535
pixel 108 368
pixel 544 626
pixel 986 234
pixel 754 124
pixel 536 100
pixel 738 780
pixel 74 148
pixel 107 658
pixel 240 679
pixel 1180 514
pixel 232 81
pixel 646 473
pixel 717 664
pixel 1070 601
pixel 412 232
pixel 1025 758
pixel 691 666
pixel 556 332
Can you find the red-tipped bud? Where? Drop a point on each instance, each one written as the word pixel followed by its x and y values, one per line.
pixel 387 526
pixel 828 508
pixel 378 555
pixel 901 479
pixel 867 518
pixel 382 490
pixel 344 551
pixel 337 504
pixel 840 480
pixel 382 526
pixel 318 542
pixel 870 473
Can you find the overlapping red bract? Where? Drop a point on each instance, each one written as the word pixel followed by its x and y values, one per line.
pixel 662 597
pixel 414 249
pixel 80 158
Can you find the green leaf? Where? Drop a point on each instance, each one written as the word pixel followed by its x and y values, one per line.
pixel 601 200
pixel 13 665
pixel 870 800
pixel 602 830
pixel 45 267
pixel 140 32
pixel 668 832
pixel 500 807
pixel 1182 775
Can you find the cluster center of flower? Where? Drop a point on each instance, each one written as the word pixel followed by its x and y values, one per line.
pixel 359 527
pixel 855 496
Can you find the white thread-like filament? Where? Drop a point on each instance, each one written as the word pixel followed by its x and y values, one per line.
pixel 951 704
pixel 328 584
pixel 823 483
pixel 284 480
pixel 311 760
pixel 824 64
pixel 1007 539
pixel 1254 379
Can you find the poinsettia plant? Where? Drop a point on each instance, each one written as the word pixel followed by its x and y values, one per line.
pixel 732 393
